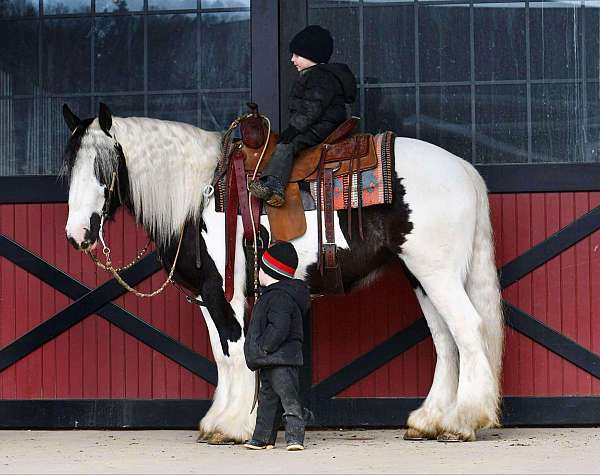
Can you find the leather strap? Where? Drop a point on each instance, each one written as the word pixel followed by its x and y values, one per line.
pixel 332 275
pixel 328 191
pixel 238 197
pixel 230 230
pixel 329 250
pixel 320 208
pixel 242 192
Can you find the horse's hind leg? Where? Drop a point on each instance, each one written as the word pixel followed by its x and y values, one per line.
pixel 477 394
pixel 426 422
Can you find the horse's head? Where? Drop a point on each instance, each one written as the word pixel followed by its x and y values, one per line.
pixel 93 161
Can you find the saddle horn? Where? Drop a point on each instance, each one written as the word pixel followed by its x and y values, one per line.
pixel 252 128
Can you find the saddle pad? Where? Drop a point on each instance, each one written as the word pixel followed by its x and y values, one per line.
pixel 376 184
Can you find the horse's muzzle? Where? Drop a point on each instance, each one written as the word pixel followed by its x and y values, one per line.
pixel 86 244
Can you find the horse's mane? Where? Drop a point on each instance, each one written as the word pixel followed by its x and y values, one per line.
pixel 168 163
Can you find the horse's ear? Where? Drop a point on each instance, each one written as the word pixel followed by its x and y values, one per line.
pixel 71 119
pixel 105 118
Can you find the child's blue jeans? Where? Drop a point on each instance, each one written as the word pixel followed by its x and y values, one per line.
pixel 279 387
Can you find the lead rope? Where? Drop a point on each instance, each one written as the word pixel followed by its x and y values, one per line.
pixel 137 259
pixel 108 267
pixel 262 154
pixel 254 230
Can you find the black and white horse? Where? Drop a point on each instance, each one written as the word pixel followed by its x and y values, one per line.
pixel 438 226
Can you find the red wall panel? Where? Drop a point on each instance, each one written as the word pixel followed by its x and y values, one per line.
pixel 94 359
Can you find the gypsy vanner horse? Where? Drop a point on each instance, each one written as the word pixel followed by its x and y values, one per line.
pixel 438 226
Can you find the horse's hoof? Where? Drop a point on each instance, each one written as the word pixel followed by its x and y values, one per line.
pixel 203 436
pixel 450 437
pixel 218 438
pixel 415 434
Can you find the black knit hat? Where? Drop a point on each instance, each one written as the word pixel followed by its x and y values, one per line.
pixel 280 260
pixel 314 43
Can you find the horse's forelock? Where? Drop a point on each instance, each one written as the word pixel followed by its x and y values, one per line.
pixel 106 162
pixel 107 154
pixel 72 149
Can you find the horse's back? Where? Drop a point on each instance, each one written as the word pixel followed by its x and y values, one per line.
pixel 420 160
pixel 439 192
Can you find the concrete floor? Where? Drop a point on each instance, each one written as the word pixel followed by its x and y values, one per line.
pixel 557 450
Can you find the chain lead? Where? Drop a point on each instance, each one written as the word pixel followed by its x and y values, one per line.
pixel 115 272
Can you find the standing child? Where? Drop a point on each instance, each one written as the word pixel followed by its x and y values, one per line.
pixel 273 346
pixel 317 106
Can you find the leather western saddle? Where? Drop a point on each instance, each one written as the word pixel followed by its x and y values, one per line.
pixel 339 154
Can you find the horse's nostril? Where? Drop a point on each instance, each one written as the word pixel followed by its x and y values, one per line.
pixel 85 245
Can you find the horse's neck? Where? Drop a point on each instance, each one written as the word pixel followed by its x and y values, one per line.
pixel 169 164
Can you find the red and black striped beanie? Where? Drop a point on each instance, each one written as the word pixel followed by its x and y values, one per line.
pixel 280 260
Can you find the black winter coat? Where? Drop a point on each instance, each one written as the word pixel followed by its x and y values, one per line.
pixel 317 101
pixel 275 332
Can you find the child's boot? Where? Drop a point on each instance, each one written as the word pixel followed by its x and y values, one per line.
pixel 294 446
pixel 254 444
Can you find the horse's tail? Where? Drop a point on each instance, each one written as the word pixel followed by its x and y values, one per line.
pixel 482 284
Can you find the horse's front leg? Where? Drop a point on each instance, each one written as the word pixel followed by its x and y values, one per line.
pixel 229 419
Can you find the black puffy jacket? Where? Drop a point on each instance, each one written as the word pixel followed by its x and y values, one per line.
pixel 275 332
pixel 317 102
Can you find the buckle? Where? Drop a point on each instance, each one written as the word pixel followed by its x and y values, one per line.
pixel 250 244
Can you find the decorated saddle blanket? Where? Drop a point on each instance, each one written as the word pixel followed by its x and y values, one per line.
pixel 373 187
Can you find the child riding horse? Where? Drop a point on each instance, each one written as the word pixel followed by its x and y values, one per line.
pixel 317 105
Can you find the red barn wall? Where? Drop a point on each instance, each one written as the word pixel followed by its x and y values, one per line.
pixel 96 360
